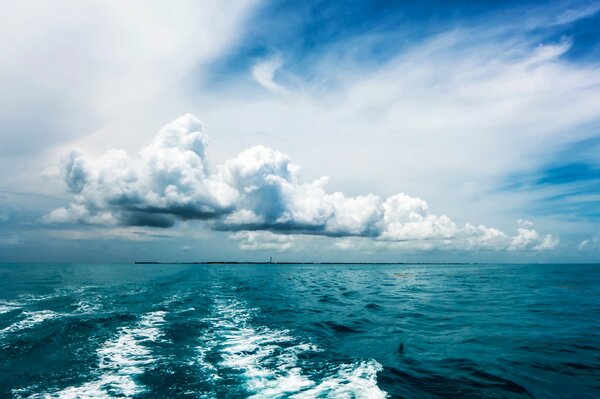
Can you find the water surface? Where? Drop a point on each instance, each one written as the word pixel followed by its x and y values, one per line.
pixel 299 331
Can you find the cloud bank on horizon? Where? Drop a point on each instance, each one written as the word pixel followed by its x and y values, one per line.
pixel 259 190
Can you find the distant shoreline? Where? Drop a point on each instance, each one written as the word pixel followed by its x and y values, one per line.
pixel 323 263
pixel 301 263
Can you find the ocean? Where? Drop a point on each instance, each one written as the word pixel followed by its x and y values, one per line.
pixel 299 331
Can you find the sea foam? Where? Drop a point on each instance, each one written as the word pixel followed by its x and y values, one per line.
pixel 122 359
pixel 31 319
pixel 268 360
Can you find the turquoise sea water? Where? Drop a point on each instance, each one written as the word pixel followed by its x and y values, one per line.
pixel 300 331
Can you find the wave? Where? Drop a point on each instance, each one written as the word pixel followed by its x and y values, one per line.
pixel 122 359
pixel 6 307
pixel 358 380
pixel 268 360
pixel 31 319
pixel 83 304
pixel 260 361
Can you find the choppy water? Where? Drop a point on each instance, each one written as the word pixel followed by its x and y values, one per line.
pixel 299 331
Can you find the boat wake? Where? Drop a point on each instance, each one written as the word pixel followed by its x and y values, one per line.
pixel 122 359
pixel 30 320
pixel 235 356
pixel 267 361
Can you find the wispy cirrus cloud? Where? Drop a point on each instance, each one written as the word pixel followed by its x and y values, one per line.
pixel 264 74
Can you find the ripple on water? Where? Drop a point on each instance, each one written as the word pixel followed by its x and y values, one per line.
pixel 470 331
pixel 373 306
pixel 336 327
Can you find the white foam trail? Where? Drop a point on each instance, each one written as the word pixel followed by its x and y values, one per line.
pixel 6 307
pixel 207 345
pixel 84 305
pixel 268 360
pixel 23 301
pixel 121 360
pixel 31 319
pixel 271 369
pixel 87 302
pixel 351 381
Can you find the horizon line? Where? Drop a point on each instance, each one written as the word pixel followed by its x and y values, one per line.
pixel 354 263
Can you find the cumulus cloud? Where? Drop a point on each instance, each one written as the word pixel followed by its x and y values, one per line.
pixel 263 240
pixel 168 180
pixel 465 238
pixel 528 238
pixel 258 194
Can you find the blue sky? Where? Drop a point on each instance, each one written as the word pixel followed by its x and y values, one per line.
pixel 316 130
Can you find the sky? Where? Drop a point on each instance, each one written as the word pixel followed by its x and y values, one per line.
pixel 379 131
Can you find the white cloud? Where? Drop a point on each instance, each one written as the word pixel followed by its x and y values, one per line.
pixel 166 181
pixel 591 243
pixel 79 213
pixel 82 68
pixel 528 238
pixel 468 106
pixel 467 238
pixel 574 14
pixel 263 240
pixel 264 74
pixel 258 193
pixel 408 219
